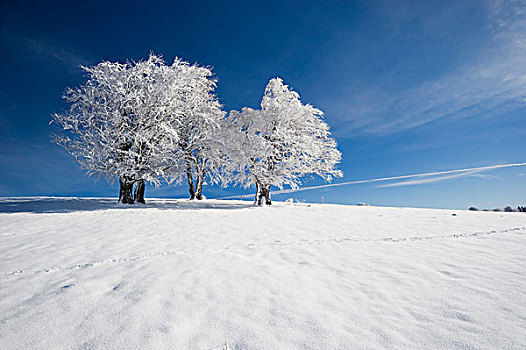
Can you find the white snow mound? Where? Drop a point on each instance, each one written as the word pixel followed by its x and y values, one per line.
pixel 174 274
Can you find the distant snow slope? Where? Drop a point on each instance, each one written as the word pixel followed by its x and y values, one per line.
pixel 92 274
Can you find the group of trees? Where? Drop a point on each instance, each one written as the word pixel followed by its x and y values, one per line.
pixel 147 121
pixel 507 209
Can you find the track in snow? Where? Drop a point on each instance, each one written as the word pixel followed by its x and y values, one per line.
pixel 276 244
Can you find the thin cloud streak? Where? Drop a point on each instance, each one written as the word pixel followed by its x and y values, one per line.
pixel 430 180
pixel 485 176
pixel 41 47
pixel 462 172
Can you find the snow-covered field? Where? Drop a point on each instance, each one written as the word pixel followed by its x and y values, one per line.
pixel 173 274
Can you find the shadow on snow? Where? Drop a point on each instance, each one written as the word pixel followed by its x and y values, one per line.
pixel 39 205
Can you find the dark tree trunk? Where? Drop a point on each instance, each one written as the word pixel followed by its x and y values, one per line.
pixel 200 178
pixel 126 190
pixel 263 191
pixel 190 182
pixel 138 195
pixel 199 187
pixel 266 193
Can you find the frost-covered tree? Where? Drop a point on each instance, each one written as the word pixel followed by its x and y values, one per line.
pixel 124 121
pixel 198 130
pixel 280 143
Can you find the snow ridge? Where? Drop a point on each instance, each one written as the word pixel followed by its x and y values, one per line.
pixel 274 244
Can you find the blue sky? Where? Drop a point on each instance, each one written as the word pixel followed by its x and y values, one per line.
pixel 406 86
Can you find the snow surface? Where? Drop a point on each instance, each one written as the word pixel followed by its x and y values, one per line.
pixel 174 274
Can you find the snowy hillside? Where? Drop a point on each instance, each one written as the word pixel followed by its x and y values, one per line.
pixel 173 274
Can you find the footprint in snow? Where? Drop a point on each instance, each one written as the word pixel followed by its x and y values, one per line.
pixel 64 287
pixel 463 317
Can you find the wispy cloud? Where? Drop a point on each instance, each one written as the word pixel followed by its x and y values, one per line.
pixel 432 179
pixel 485 176
pixel 429 177
pixel 492 84
pixel 429 180
pixel 40 47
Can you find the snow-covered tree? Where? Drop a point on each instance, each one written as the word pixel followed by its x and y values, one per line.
pixel 124 122
pixel 280 143
pixel 198 130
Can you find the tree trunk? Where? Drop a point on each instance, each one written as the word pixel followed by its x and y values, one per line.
pixel 126 190
pixel 199 187
pixel 138 195
pixel 267 195
pixel 262 191
pixel 190 182
pixel 200 179
pixel 257 200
